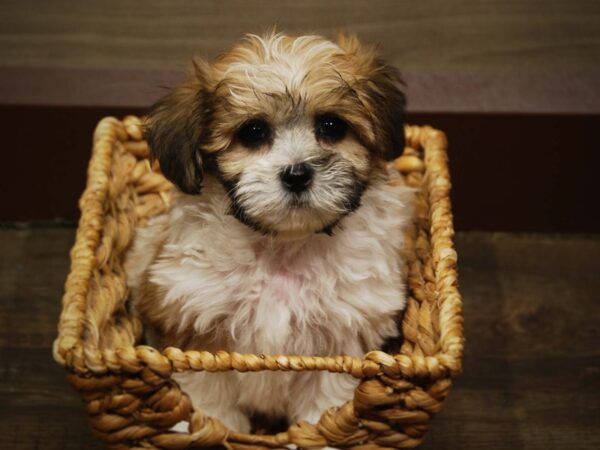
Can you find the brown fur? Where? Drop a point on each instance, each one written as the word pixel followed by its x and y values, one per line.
pixel 201 116
pixel 161 322
pixel 293 246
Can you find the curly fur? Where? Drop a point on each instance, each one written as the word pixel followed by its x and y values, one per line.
pixel 248 267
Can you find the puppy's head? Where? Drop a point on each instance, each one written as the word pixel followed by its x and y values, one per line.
pixel 294 128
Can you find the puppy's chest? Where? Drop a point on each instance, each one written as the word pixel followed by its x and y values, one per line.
pixel 290 299
pixel 286 288
pixel 280 279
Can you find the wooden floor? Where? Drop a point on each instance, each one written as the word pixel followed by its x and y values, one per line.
pixel 532 368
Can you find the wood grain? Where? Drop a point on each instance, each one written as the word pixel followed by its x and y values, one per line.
pixel 532 365
pixel 537 35
pixel 37 407
pixel 525 56
pixel 531 376
pixel 427 91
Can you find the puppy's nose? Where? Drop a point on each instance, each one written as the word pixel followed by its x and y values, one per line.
pixel 297 177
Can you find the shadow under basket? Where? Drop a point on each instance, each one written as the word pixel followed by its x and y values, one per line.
pixel 128 391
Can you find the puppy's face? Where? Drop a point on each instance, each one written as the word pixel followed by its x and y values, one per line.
pixel 294 128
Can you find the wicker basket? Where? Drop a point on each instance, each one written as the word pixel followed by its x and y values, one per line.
pixel 127 389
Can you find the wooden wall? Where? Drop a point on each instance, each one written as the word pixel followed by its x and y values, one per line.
pixel 515 84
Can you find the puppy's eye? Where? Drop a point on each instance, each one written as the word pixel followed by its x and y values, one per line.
pixel 330 128
pixel 254 133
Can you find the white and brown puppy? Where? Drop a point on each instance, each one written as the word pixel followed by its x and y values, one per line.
pixel 286 236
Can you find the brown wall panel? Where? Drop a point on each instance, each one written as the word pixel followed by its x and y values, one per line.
pixel 528 56
pixel 45 152
pixel 461 35
pixel 510 172
pixel 522 172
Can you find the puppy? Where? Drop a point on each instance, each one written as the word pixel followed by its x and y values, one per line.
pixel 286 233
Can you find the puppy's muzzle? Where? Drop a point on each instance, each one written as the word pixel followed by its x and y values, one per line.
pixel 297 178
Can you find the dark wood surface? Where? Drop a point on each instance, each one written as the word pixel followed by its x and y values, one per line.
pixel 531 371
pixel 529 56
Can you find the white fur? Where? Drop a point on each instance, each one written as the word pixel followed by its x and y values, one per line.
pixel 317 295
pixel 266 200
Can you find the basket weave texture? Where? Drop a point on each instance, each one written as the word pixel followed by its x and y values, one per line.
pixel 127 389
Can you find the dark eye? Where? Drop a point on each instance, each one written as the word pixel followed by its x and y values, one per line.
pixel 254 133
pixel 330 128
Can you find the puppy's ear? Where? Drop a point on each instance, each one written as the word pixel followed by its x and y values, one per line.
pixel 174 129
pixel 380 91
pixel 389 102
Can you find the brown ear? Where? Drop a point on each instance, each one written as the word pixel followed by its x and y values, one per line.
pixel 389 102
pixel 174 130
pixel 380 91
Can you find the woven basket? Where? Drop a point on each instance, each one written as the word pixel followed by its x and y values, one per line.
pixel 127 388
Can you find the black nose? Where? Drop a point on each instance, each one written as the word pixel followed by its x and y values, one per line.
pixel 297 178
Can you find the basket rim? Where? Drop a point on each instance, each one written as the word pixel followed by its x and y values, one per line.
pixel 71 352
